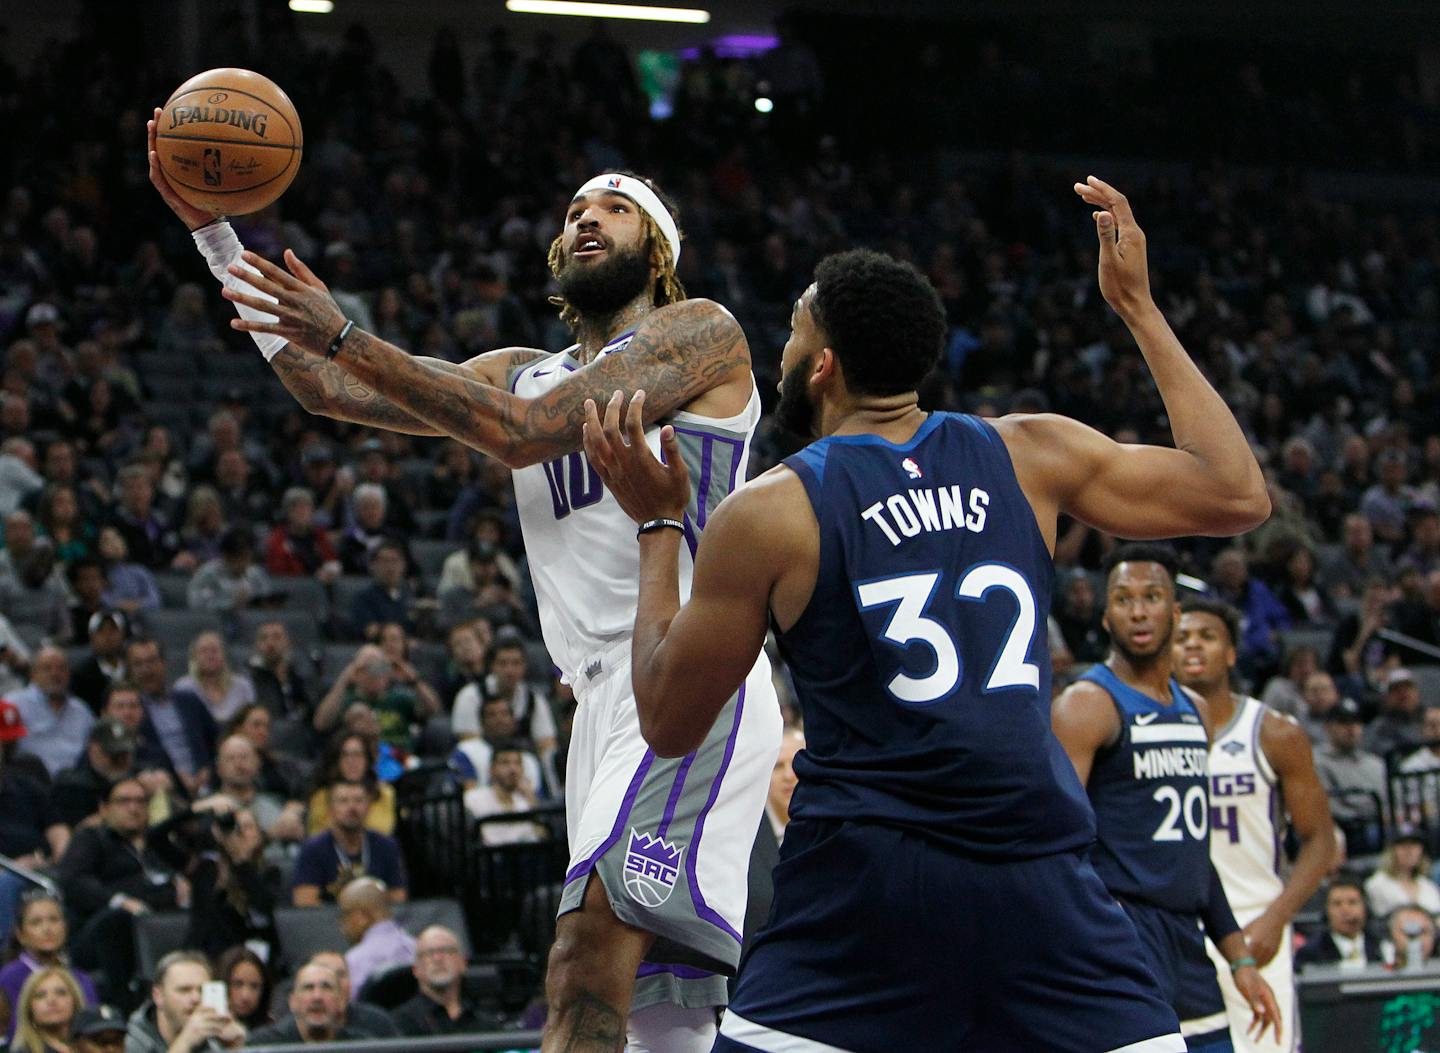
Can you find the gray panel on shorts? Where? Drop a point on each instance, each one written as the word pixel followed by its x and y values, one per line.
pixel 647 867
pixel 665 989
pixel 715 458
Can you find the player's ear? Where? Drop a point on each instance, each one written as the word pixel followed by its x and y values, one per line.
pixel 827 364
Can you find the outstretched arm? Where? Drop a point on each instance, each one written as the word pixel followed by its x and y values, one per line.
pixel 1209 483
pixel 322 387
pixel 678 353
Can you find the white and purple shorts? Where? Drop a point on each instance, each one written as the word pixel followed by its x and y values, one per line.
pixel 670 839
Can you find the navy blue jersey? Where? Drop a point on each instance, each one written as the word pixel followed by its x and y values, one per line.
pixel 922 661
pixel 1151 798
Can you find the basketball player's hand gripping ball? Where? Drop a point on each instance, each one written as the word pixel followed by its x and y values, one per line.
pixel 1124 272
pixel 646 488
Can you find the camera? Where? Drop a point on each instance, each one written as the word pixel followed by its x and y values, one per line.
pixel 224 823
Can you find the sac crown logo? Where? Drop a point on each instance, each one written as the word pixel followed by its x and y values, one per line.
pixel 652 866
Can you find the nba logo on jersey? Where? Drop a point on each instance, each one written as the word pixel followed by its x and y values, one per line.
pixel 911 468
pixel 651 866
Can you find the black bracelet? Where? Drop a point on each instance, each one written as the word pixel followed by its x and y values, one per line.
pixel 652 525
pixel 339 339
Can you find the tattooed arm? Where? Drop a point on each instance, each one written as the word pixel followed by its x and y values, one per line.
pixel 679 354
pixel 325 389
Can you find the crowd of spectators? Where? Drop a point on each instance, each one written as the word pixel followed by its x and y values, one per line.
pixel 227 627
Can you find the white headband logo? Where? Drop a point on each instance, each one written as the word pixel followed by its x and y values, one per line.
pixel 643 196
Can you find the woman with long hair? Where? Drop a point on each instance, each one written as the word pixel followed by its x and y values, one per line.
pixel 211 679
pixel 38 941
pixel 48 1004
pixel 204 524
pixel 352 757
pixel 234 890
pixel 58 514
pixel 1402 878
pixel 280 773
pixel 248 984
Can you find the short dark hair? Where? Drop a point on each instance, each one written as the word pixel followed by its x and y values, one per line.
pixel 1218 609
pixel 340 780
pixel 236 540
pixel 1344 882
pixel 883 318
pixel 72 573
pixel 392 545
pixel 1142 552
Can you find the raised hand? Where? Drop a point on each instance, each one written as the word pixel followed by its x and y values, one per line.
pixel 194 218
pixel 1124 271
pixel 305 312
pixel 646 488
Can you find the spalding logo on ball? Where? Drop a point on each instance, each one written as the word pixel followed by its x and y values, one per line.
pixel 229 141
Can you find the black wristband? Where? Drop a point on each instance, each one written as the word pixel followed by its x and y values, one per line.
pixel 339 339
pixel 651 525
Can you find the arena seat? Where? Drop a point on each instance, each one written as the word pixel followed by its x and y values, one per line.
pixel 176 628
pixel 303 626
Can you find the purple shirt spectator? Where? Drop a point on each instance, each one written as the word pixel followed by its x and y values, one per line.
pixel 385 944
pixel 14 975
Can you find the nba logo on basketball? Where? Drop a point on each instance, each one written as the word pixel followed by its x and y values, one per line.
pixel 651 866
pixel 211 170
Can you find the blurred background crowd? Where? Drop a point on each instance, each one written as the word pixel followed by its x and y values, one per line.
pixel 229 629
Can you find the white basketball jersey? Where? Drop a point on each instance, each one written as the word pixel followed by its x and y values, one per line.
pixel 581 545
pixel 1246 812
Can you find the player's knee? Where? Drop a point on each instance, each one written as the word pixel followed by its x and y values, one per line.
pixel 581 961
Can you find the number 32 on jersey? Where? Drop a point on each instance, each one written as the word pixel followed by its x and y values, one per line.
pixel 908 625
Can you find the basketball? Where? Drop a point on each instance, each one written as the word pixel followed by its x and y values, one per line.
pixel 229 141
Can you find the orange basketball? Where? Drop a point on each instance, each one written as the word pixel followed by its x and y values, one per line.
pixel 229 141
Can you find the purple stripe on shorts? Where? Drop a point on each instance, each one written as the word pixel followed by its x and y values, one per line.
pixel 702 495
pixel 703 909
pixel 675 792
pixel 682 972
pixel 628 803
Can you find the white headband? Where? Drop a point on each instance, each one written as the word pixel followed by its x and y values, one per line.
pixel 643 196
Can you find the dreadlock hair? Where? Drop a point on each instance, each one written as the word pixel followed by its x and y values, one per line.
pixel 662 259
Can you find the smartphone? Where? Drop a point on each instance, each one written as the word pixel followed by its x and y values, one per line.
pixel 215 996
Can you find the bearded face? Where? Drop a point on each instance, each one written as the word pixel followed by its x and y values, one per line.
pixel 608 284
pixel 795 411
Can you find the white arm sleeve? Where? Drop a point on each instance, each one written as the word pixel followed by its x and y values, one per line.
pixel 220 247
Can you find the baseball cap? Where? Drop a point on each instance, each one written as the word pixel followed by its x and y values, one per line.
pixel 12 728
pixel 97 1019
pixel 42 314
pixel 1399 676
pixel 1407 832
pixel 99 618
pixel 1347 710
pixel 112 736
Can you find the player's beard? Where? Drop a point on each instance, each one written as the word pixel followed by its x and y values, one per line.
pixel 607 286
pixel 795 411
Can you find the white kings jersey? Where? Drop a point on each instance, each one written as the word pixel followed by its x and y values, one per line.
pixel 580 544
pixel 1247 813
